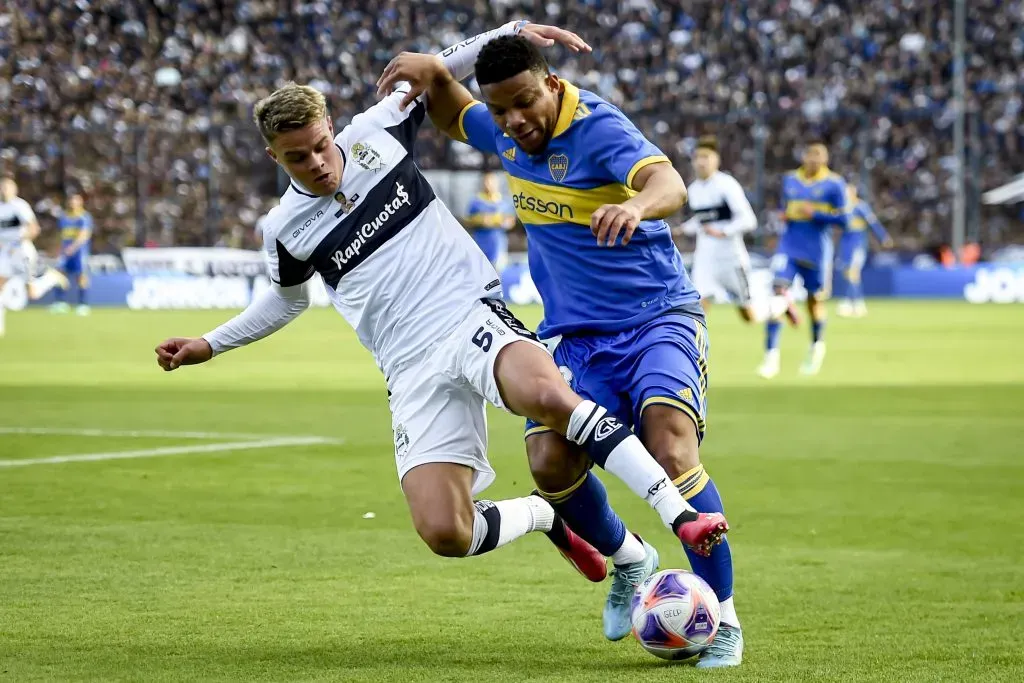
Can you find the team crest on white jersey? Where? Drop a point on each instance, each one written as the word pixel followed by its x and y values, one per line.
pixel 366 156
pixel 558 165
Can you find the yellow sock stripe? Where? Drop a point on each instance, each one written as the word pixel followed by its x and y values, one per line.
pixel 692 482
pixel 675 403
pixel 539 429
pixel 559 496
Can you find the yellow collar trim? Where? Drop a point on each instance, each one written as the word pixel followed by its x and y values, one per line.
pixel 570 100
pixel 823 173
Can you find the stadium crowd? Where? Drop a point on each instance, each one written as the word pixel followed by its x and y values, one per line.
pixel 145 105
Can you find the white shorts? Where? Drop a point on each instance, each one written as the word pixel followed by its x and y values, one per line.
pixel 438 410
pixel 12 262
pixel 730 277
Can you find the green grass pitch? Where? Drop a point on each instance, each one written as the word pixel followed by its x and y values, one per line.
pixel 877 512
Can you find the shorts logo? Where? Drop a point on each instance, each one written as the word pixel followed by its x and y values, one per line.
pixel 566 374
pixel 366 156
pixel 685 394
pixel 401 441
pixel 558 165
pixel 606 428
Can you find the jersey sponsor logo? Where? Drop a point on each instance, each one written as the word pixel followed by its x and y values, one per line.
pixel 309 221
pixel 509 154
pixel 367 230
pixel 366 156
pixel 540 206
pixel 713 214
pixel 558 166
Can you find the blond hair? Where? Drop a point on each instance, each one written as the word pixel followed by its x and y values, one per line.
pixel 290 107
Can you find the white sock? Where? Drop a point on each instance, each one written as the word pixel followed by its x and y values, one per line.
pixel 631 463
pixel 729 613
pixel 630 552
pixel 777 306
pixel 498 523
pixel 43 284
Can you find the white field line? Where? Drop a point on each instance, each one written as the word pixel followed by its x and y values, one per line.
pixel 172 450
pixel 135 433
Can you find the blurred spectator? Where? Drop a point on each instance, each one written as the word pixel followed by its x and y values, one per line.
pixel 145 105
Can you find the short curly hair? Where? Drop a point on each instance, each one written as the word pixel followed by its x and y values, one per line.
pixel 504 57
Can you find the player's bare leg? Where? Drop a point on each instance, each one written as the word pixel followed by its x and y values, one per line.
pixel 448 520
pixel 561 471
pixel 532 386
pixel 671 436
pixel 816 354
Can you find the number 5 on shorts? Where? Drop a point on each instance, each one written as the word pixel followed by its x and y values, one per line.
pixel 483 339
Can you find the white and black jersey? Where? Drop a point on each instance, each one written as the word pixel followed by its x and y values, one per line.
pixel 397 264
pixel 720 263
pixel 16 251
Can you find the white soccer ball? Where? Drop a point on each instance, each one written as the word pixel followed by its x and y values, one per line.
pixel 675 614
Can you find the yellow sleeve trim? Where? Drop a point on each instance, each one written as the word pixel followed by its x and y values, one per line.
pixel 642 163
pixel 459 133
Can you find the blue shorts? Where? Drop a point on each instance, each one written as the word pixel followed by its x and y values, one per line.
pixel 76 264
pixel 817 277
pixel 662 362
pixel 853 254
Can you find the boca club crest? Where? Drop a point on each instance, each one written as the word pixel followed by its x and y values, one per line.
pixel 558 165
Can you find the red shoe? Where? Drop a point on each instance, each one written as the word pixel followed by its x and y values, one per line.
pixel 703 533
pixel 581 555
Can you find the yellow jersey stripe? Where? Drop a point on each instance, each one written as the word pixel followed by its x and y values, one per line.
pixel 543 204
pixel 641 164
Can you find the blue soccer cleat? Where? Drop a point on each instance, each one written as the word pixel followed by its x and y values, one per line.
pixel 625 579
pixel 725 650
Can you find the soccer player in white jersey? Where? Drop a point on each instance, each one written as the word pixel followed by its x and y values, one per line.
pixel 426 302
pixel 722 215
pixel 18 228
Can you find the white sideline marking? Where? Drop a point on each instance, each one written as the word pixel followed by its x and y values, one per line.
pixel 172 450
pixel 133 433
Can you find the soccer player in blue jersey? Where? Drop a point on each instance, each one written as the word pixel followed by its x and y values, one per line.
pixel 814 203
pixel 853 252
pixel 490 216
pixel 592 191
pixel 75 225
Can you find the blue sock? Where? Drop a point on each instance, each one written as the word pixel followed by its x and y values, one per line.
pixel 817 330
pixel 584 507
pixel 771 339
pixel 698 489
pixel 855 292
pixel 83 294
pixel 58 294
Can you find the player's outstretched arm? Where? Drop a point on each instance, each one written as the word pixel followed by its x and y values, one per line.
pixel 274 309
pixel 661 192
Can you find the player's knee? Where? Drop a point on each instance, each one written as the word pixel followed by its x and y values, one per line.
pixel 552 400
pixel 446 535
pixel 554 464
pixel 671 437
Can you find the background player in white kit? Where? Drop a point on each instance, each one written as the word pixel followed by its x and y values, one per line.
pixel 18 228
pixel 423 298
pixel 722 214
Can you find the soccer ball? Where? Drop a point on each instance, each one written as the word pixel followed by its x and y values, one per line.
pixel 675 614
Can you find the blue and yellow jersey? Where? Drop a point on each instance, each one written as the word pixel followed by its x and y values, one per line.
pixel 592 158
pixel 489 212
pixel 74 226
pixel 862 219
pixel 809 239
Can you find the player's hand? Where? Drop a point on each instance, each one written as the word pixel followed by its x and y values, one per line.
pixel 612 219
pixel 714 232
pixel 418 70
pixel 546 36
pixel 173 353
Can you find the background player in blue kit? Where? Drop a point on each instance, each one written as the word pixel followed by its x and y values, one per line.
pixel 490 216
pixel 814 203
pixel 853 252
pixel 631 325
pixel 75 226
